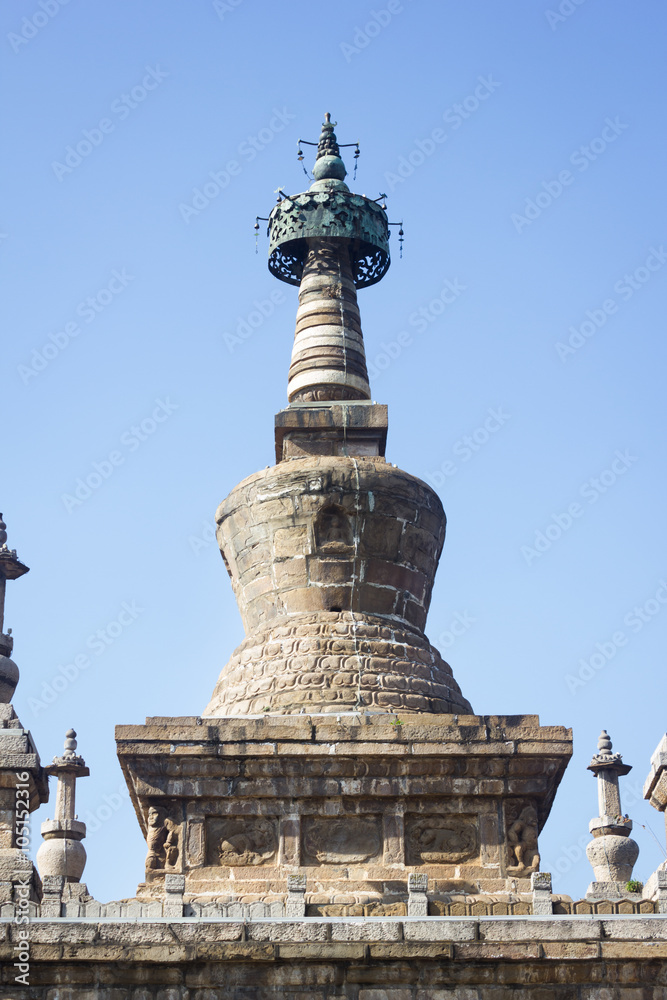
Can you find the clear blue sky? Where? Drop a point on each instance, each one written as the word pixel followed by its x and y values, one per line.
pixel 526 156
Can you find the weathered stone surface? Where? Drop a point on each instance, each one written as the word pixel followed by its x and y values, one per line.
pixel 440 930
pixel 330 662
pixel 373 793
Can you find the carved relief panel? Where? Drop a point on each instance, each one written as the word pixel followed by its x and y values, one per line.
pixel 241 840
pixel 440 839
pixel 333 530
pixel 339 840
pixel 163 839
pixel 521 836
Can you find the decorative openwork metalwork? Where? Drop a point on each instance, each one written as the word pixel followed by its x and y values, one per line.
pixel 330 214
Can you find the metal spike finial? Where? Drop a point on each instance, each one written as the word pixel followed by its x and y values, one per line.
pixel 328 144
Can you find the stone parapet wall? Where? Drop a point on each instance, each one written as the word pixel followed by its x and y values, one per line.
pixel 485 958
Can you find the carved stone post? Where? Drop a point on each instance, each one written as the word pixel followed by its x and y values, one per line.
pixel 295 905
pixel 62 852
pixel 611 853
pixel 417 894
pixel 540 884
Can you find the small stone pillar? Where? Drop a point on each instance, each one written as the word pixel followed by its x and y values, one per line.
pixel 174 887
pixel 655 790
pixel 417 894
pixel 540 885
pixel 295 905
pixel 62 852
pixel 611 852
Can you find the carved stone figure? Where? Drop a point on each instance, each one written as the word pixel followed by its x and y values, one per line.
pixel 246 841
pixel 440 839
pixel 333 531
pixel 342 839
pixel 162 841
pixel 522 841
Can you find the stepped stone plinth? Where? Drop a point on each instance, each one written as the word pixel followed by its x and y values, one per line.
pixel 355 803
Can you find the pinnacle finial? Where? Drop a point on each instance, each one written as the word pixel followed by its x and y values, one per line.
pixel 604 743
pixel 328 164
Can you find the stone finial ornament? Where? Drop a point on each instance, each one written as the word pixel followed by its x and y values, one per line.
pixel 612 853
pixel 62 852
pixel 11 568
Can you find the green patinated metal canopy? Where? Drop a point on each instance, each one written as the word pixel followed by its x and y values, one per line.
pixel 329 211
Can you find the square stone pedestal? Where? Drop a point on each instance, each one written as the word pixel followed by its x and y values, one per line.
pixel 354 803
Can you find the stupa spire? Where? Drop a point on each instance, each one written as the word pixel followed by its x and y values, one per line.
pixel 332 552
pixel 330 242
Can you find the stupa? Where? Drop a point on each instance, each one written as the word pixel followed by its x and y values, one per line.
pixel 337 823
pixel 337 749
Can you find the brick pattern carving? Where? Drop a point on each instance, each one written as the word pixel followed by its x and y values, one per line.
pixel 336 662
pixel 356 909
pixel 583 906
pixel 479 908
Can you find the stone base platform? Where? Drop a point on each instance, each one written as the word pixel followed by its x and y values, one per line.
pixel 483 958
pixel 352 803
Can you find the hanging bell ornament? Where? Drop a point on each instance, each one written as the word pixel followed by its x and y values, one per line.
pixel 400 241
